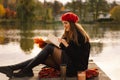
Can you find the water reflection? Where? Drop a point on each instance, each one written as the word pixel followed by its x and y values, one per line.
pixel 18 41
pixel 96 48
pixel 26 41
pixel 96 34
pixel 24 34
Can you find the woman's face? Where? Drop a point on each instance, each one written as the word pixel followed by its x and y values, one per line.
pixel 66 25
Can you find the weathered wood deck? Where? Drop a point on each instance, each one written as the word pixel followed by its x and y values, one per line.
pixel 102 75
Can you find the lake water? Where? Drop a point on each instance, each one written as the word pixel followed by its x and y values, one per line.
pixel 16 44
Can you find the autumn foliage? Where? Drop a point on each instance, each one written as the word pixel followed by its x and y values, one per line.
pixel 2 10
pixel 90 73
pixel 53 73
pixel 40 42
pixel 7 12
pixel 10 13
pixel 115 13
pixel 49 73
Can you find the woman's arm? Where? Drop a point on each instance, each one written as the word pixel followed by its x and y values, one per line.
pixel 64 42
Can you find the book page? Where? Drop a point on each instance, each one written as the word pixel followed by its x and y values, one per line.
pixel 54 40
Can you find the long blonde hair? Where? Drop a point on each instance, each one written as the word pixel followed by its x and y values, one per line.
pixel 81 29
pixel 72 34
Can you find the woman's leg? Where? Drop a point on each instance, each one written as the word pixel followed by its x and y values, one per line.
pixel 20 65
pixel 49 62
pixel 54 60
pixel 40 58
pixel 8 70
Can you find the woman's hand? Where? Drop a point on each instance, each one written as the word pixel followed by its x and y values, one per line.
pixel 64 42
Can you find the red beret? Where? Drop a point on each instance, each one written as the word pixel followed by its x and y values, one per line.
pixel 69 16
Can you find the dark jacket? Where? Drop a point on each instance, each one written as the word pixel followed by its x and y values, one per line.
pixel 78 54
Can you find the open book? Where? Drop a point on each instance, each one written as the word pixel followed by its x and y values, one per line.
pixel 53 39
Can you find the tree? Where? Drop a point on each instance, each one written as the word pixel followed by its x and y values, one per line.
pixel 2 11
pixel 57 7
pixel 48 16
pixel 75 6
pixel 25 10
pixel 115 13
pixel 90 9
pixel 0 1
pixel 48 12
pixel 39 10
pixel 113 4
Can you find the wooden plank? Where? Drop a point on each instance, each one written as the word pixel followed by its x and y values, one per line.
pixel 102 75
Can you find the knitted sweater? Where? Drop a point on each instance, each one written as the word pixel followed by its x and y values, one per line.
pixel 78 54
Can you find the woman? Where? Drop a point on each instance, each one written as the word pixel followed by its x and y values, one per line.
pixel 74 51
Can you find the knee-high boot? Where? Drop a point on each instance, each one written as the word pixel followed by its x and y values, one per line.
pixel 40 58
pixel 8 70
pixel 20 65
